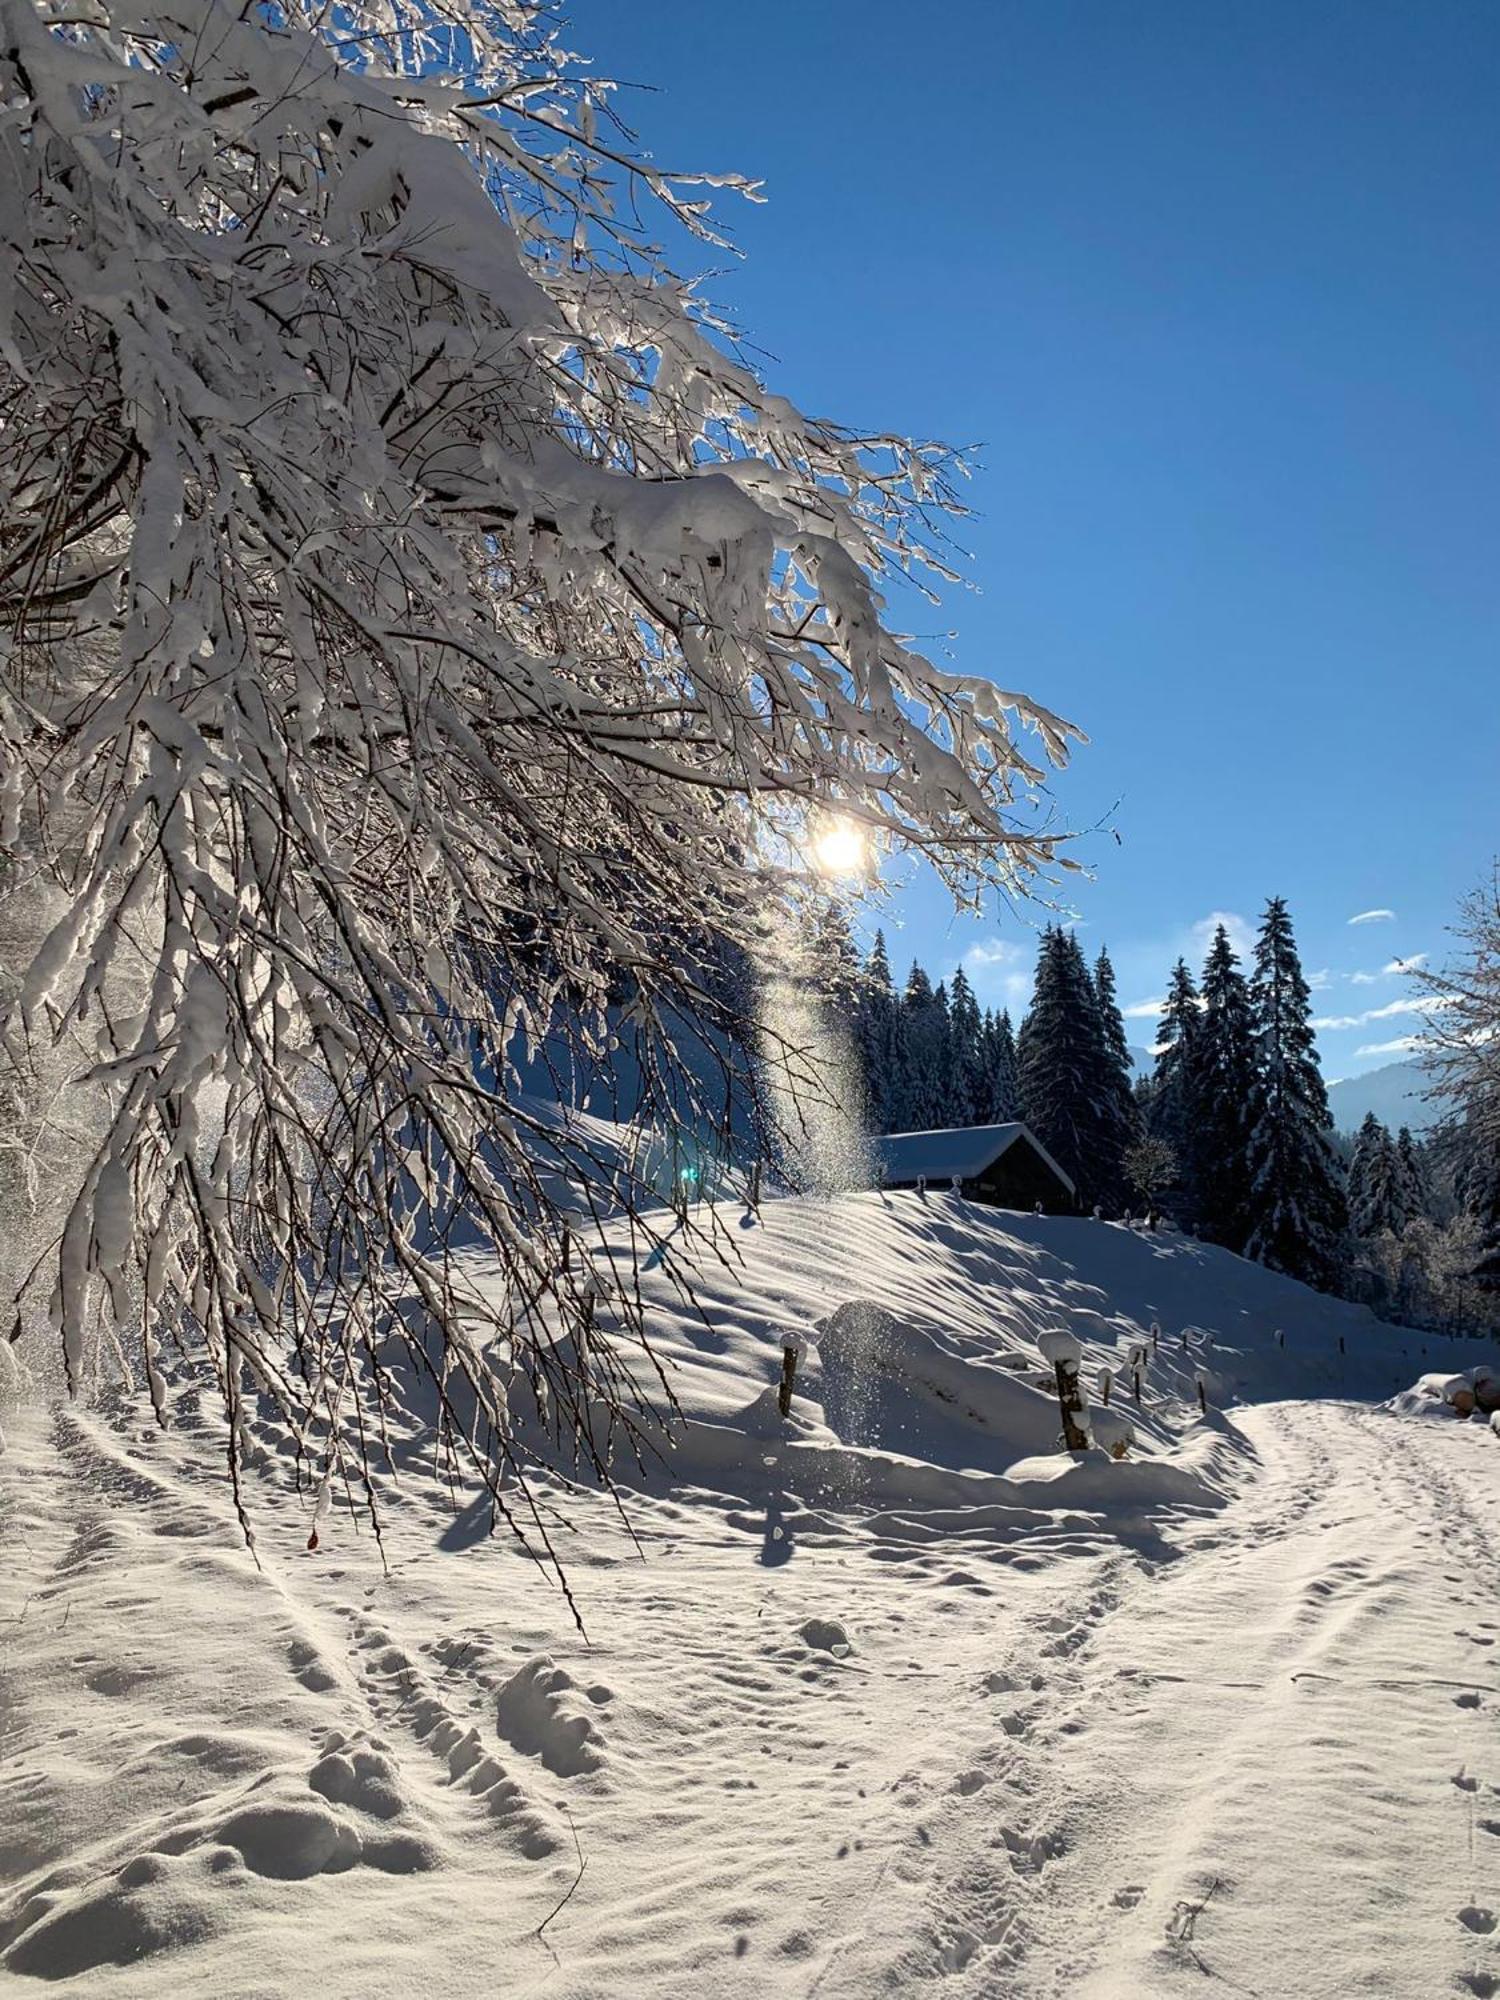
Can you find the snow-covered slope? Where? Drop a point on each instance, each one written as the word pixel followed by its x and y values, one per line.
pixel 887 1692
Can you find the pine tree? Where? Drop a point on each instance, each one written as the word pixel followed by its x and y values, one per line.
pixel 1416 1183
pixel 1221 1093
pixel 877 1034
pixel 1170 1108
pixel 1377 1206
pixel 1367 1144
pixel 945 1099
pixel 1116 1086
pixel 968 1054
pixel 1060 1060
pixel 927 1068
pixel 1003 1099
pixel 1296 1213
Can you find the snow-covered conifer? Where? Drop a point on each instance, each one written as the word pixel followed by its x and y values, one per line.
pixel 1063 1073
pixel 1221 1092
pixel 1003 1095
pixel 966 1054
pixel 876 1035
pixel 1169 1108
pixel 1296 1211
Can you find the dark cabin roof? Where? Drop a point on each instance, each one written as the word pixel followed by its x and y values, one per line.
pixel 965 1150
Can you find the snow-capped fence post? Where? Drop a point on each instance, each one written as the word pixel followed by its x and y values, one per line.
pixel 958 1185
pixel 792 1347
pixel 1137 1364
pixel 922 1186
pixel 1106 1383
pixel 1063 1351
pixel 1280 1338
pixel 1200 1376
pixel 752 1192
pixel 1155 1335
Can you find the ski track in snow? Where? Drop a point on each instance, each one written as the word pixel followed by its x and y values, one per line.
pixel 1257 1753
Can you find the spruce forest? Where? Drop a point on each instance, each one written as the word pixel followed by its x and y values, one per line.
pixel 1227 1134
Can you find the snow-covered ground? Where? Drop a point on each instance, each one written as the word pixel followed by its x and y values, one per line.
pixel 887 1696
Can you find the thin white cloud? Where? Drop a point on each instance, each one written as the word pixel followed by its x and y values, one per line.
pixel 1402 1045
pixel 1388 1012
pixel 1374 917
pixel 1144 1010
pixel 994 951
pixel 1320 981
pixel 1394 968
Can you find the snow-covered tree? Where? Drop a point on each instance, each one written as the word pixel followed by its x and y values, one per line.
pixel 1378 1196
pixel 1460 1046
pixel 1116 1067
pixel 1064 1085
pixel 1296 1213
pixel 1002 1099
pixel 926 1055
pixel 876 1036
pixel 966 1053
pixel 1371 1137
pixel 1461 1053
pixel 1415 1180
pixel 1150 1170
pixel 424 641
pixel 1170 1108
pixel 1221 1092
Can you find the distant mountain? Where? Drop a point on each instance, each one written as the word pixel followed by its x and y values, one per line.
pixel 1393 1092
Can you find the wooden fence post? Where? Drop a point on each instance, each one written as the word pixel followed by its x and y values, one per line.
pixel 792 1346
pixel 1064 1352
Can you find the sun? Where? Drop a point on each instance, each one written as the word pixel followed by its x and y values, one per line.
pixel 841 848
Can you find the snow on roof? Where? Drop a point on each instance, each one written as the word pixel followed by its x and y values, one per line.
pixel 965 1150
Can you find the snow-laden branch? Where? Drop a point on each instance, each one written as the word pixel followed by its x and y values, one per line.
pixel 419 633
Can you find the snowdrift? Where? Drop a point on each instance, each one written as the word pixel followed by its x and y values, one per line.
pixel 922 1385
pixel 263 1771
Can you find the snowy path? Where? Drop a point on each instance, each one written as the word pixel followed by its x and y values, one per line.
pixel 1281 1754
pixel 1267 1764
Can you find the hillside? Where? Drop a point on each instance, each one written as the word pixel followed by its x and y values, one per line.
pixel 1394 1092
pixel 890 1692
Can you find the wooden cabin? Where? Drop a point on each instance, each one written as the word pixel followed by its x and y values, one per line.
pixel 1004 1165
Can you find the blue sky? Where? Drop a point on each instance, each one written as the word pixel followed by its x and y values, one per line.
pixel 1216 289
